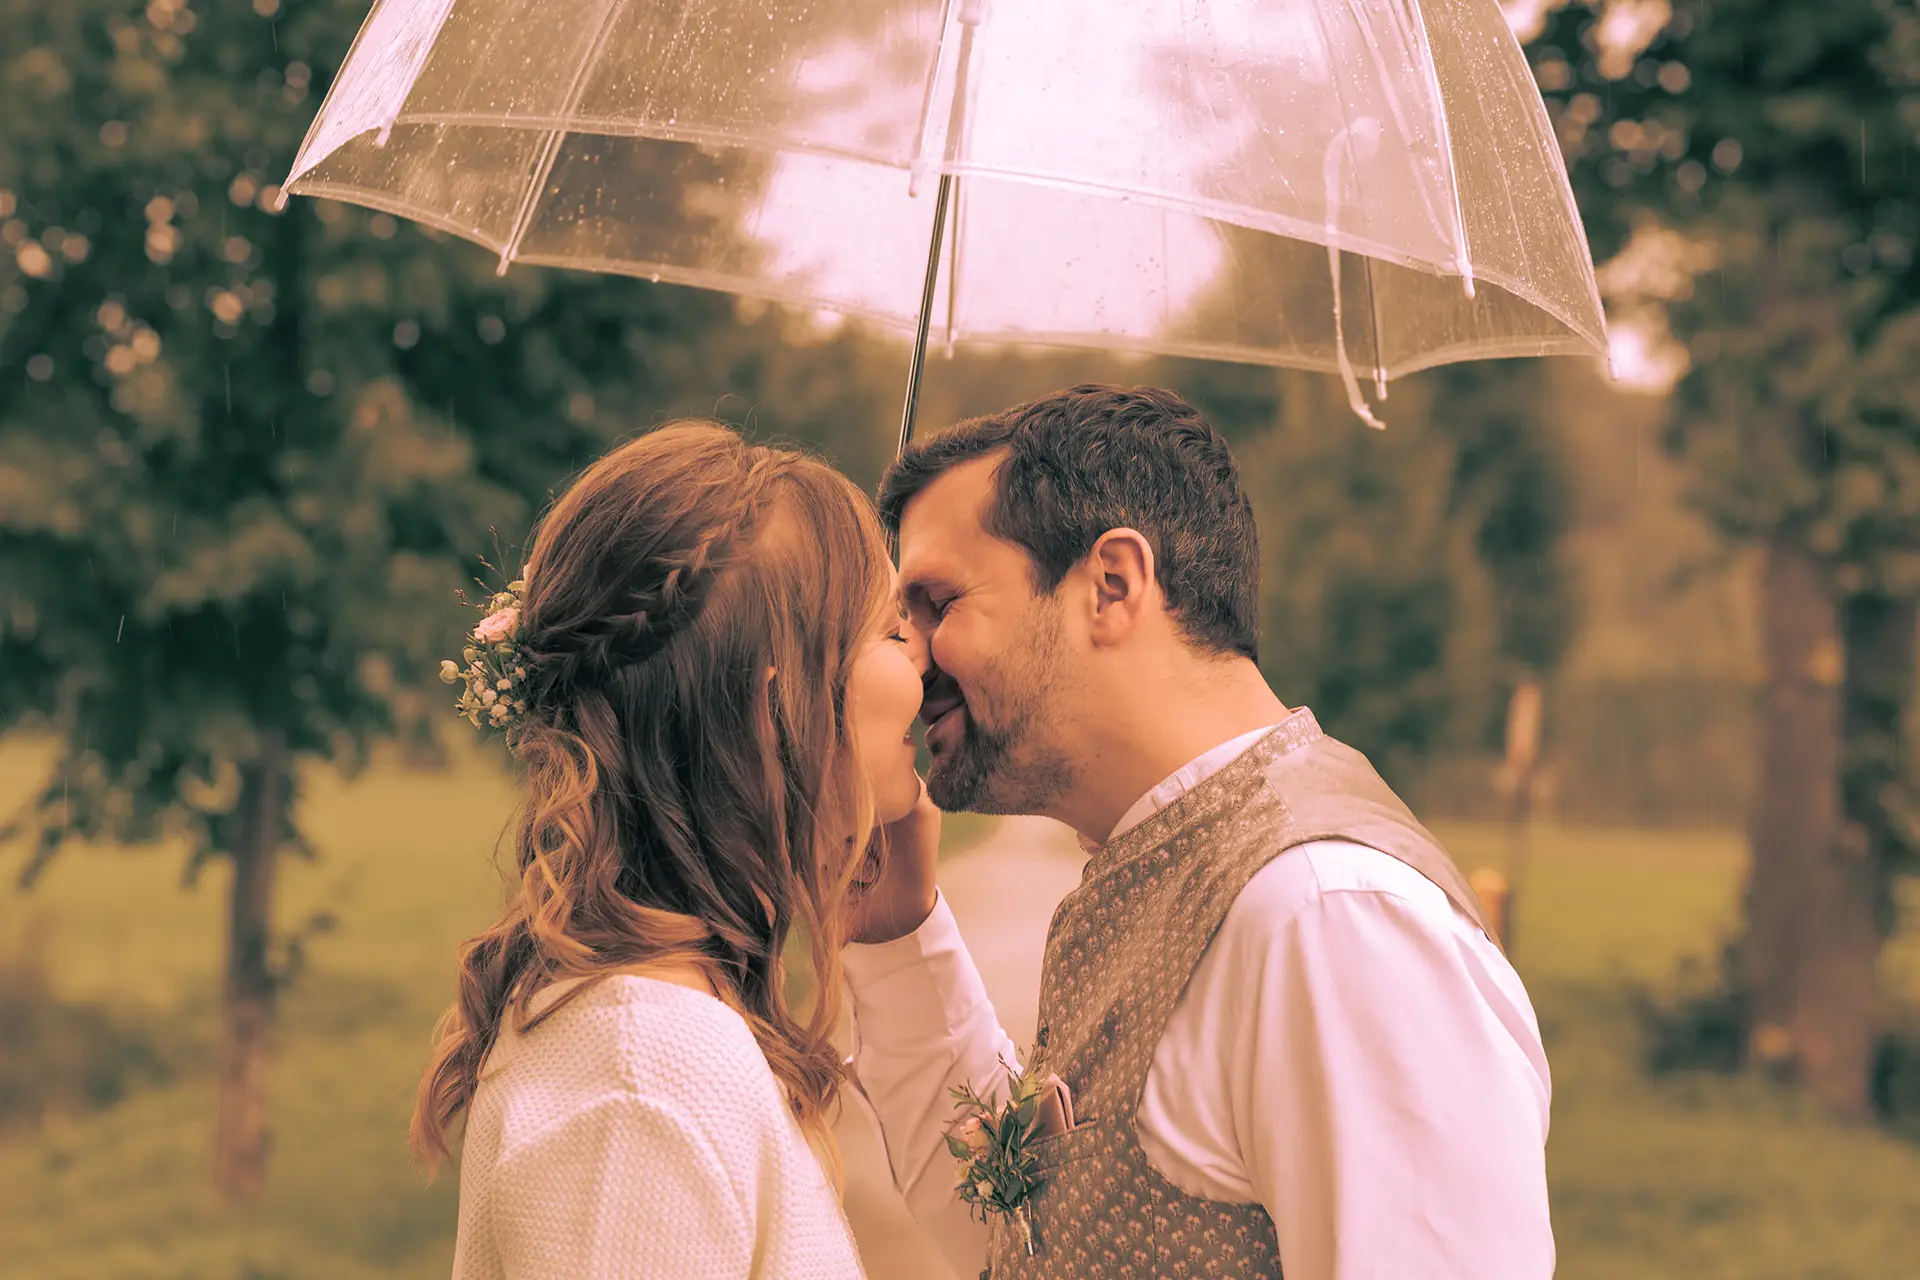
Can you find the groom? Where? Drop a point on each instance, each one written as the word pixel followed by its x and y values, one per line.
pixel 1287 1034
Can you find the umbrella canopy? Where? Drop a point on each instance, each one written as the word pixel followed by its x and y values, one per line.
pixel 1341 185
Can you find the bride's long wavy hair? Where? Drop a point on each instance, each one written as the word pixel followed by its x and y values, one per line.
pixel 681 806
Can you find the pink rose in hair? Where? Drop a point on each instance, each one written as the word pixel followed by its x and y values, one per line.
pixel 496 626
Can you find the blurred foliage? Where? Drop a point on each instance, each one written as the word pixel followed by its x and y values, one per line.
pixel 1411 577
pixel 62 1056
pixel 1753 165
pixel 1698 1021
pixel 246 457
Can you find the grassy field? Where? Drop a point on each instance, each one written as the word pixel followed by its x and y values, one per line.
pixel 1682 1177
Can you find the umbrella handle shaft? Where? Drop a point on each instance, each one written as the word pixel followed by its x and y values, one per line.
pixel 940 201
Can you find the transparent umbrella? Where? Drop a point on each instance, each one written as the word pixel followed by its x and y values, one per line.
pixel 1362 187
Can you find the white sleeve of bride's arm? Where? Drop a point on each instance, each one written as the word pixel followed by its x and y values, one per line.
pixel 625 1189
pixel 923 1024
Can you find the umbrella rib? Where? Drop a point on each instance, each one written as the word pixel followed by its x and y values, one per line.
pixel 550 149
pixel 1463 259
pixel 1373 319
pixel 917 166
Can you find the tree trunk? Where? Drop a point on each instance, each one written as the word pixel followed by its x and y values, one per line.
pixel 1850 911
pixel 1796 815
pixel 240 1152
pixel 1838 676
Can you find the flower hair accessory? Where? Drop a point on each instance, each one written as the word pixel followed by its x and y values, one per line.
pixel 495 673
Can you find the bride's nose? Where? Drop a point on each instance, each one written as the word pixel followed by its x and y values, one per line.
pixel 919 649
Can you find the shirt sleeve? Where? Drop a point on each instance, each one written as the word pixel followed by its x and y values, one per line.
pixel 923 1023
pixel 1388 1101
pixel 623 1190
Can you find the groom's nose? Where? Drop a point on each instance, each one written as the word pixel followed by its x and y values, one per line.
pixel 919 649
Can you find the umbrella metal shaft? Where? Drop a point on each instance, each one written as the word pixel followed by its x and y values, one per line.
pixel 940 200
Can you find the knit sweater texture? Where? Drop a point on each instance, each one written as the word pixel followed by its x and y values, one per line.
pixel 639 1134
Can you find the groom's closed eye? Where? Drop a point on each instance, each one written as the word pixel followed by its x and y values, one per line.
pixel 924 607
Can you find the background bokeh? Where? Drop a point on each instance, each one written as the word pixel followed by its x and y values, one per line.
pixel 247 456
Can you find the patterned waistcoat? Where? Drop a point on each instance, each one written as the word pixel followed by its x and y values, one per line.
pixel 1120 951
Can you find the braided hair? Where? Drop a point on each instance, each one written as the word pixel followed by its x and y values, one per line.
pixel 681 806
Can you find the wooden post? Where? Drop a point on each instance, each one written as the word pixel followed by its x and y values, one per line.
pixel 1523 756
pixel 1490 886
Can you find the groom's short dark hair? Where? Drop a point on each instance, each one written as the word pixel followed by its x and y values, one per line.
pixel 1092 458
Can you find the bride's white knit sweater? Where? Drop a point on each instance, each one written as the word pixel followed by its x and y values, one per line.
pixel 638 1134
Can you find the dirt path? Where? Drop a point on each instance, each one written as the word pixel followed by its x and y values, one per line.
pixel 1003 893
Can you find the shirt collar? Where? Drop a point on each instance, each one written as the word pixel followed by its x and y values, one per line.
pixel 1187 776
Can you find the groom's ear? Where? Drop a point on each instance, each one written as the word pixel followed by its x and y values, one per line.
pixel 1121 565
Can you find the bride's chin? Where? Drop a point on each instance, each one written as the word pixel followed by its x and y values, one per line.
pixel 896 799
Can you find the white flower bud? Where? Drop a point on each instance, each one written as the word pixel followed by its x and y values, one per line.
pixel 984 1187
pixel 449 671
pixel 488 696
pixel 503 685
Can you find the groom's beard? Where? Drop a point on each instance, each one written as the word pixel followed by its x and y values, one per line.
pixel 1010 768
pixel 998 771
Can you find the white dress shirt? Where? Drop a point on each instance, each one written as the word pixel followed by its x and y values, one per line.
pixel 1351 1053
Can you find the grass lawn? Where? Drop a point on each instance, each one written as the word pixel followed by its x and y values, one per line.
pixel 1697 1177
pixel 1694 1178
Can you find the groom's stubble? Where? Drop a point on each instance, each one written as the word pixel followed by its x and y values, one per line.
pixel 1010 764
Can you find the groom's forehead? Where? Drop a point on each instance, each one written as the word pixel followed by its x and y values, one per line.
pixel 944 520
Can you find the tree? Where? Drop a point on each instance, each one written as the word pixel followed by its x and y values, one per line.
pixel 1778 138
pixel 246 458
pixel 1410 578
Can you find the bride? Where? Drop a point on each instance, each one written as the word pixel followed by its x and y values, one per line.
pixel 705 683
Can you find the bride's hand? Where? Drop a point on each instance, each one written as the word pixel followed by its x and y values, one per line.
pixel 903 897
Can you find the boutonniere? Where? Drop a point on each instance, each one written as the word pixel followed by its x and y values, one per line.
pixel 996 1174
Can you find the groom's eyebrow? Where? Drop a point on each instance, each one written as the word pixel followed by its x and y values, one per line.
pixel 920 584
